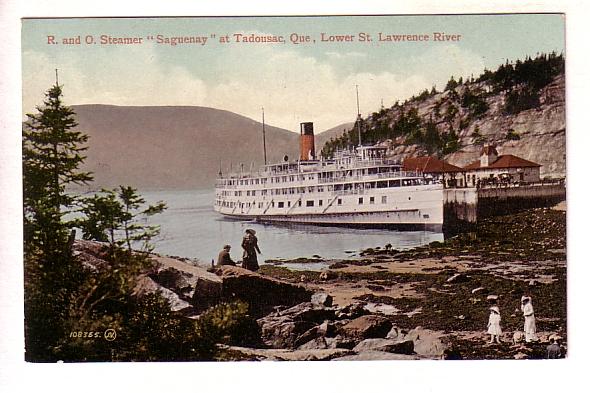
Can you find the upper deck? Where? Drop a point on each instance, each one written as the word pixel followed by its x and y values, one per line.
pixel 362 164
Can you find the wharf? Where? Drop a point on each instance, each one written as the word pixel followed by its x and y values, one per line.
pixel 463 207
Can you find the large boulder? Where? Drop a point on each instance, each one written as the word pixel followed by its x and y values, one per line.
pixel 428 343
pixel 207 293
pixel 178 281
pixel 377 355
pixel 260 292
pixel 316 343
pixel 352 310
pixel 387 345
pixel 294 326
pixel 92 255
pixel 191 283
pixel 322 299
pixel 340 342
pixel 287 354
pixel 367 326
pixel 145 285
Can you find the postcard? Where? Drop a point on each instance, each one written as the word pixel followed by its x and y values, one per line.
pixel 297 188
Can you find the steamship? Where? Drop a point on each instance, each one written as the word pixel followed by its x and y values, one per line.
pixel 359 188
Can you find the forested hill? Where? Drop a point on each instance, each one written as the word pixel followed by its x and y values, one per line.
pixel 520 107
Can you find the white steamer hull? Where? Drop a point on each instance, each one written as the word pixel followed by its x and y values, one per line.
pixel 424 210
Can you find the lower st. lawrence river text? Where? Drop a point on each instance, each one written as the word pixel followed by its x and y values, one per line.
pixel 242 38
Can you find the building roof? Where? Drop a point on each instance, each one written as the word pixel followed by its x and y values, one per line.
pixel 504 161
pixel 428 165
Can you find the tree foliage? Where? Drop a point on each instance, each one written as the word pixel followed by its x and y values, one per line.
pixel 116 216
pixel 52 153
pixel 67 296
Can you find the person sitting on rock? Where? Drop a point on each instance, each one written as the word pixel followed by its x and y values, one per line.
pixel 494 328
pixel 224 259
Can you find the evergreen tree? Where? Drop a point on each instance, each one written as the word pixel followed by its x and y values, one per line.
pixel 114 216
pixel 52 154
pixel 451 84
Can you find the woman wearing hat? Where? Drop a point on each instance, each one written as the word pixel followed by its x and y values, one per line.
pixel 250 246
pixel 530 329
pixel 494 328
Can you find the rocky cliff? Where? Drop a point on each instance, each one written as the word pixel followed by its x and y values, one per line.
pixel 541 130
pixel 536 134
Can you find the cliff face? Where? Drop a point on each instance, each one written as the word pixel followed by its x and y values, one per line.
pixel 541 129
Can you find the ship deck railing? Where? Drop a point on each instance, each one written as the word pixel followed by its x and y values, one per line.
pixel 338 165
pixel 368 177
pixel 373 176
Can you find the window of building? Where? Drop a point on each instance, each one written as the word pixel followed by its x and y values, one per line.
pixel 360 200
pixel 288 203
pixel 321 202
pixel 281 204
pixel 340 201
pixel 309 203
pixel 384 199
pixel 299 204
pixel 372 200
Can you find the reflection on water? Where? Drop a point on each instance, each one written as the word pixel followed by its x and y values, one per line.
pixel 190 228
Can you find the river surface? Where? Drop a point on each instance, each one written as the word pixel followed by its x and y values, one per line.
pixel 191 228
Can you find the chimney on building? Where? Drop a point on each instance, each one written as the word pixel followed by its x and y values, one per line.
pixel 306 142
pixel 489 155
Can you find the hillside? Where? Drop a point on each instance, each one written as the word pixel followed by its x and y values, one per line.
pixel 174 147
pixel 520 108
pixel 334 132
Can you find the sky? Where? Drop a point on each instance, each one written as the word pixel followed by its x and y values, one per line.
pixel 313 81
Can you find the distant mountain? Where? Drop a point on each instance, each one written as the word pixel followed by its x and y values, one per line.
pixel 333 132
pixel 174 147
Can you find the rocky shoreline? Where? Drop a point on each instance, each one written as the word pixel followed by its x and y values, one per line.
pixel 444 287
pixel 430 302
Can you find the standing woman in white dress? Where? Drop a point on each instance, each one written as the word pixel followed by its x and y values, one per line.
pixel 494 328
pixel 530 329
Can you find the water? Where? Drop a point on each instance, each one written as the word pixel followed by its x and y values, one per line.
pixel 191 228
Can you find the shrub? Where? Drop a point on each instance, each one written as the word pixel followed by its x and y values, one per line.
pixel 512 135
pixel 229 323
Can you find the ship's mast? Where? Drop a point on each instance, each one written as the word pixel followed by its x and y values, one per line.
pixel 263 136
pixel 358 116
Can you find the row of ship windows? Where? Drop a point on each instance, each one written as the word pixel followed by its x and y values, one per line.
pixel 278 179
pixel 336 187
pixel 308 203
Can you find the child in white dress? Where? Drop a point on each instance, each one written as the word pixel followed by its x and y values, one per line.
pixel 494 328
